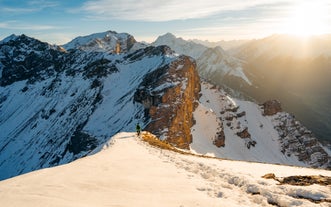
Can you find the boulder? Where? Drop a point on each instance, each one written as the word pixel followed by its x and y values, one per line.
pixel 244 133
pixel 271 107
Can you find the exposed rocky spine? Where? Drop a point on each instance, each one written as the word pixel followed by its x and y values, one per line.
pixel 169 96
pixel 296 139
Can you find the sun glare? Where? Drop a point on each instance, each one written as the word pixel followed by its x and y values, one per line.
pixel 306 19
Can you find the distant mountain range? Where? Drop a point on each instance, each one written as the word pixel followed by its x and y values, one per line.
pixel 296 71
pixel 61 103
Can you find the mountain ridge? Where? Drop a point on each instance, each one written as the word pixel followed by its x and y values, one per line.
pixel 59 105
pixel 67 111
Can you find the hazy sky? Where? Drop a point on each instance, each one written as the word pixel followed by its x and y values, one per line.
pixel 58 21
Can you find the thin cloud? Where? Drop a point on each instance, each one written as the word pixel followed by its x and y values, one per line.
pixel 31 7
pixel 154 11
pixel 43 3
pixel 18 26
pixel 17 10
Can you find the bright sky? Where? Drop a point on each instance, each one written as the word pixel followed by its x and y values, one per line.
pixel 58 21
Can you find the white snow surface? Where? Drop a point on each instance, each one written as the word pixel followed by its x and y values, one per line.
pixel 129 172
pixel 208 118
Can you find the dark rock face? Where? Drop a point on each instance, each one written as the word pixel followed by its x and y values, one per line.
pixel 169 95
pixel 244 134
pixel 26 58
pixel 271 107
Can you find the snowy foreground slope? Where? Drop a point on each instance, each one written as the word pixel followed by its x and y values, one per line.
pixel 130 172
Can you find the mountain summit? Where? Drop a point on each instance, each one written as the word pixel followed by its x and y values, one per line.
pixel 109 41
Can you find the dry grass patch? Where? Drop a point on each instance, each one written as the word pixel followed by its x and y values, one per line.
pixel 156 142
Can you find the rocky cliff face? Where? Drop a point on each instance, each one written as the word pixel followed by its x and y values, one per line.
pixel 297 140
pixel 169 96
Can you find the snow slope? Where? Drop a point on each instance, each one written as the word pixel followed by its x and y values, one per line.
pixel 129 172
pixel 215 112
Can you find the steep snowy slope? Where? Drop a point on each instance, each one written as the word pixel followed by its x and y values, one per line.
pixel 249 135
pixel 57 106
pixel 129 172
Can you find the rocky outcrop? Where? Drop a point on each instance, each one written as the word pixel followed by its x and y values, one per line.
pixel 169 97
pixel 297 140
pixel 244 134
pixel 271 107
pixel 219 140
pixel 300 180
pixel 24 58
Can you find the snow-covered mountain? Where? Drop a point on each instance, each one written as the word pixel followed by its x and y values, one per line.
pixel 59 105
pixel 180 45
pixel 109 41
pixel 293 70
pixel 214 64
pixel 56 106
pixel 130 172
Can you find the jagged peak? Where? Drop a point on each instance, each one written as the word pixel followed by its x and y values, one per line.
pixel 99 39
pixel 168 37
pixel 14 37
pixel 30 43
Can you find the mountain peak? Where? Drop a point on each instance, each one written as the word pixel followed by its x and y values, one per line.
pixel 10 37
pixel 14 37
pixel 180 45
pixel 169 35
pixel 109 41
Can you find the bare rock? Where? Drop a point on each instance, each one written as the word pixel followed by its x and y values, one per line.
pixel 244 133
pixel 271 107
pixel 220 139
pixel 169 96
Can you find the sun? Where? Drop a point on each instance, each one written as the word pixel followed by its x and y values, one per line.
pixel 308 18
